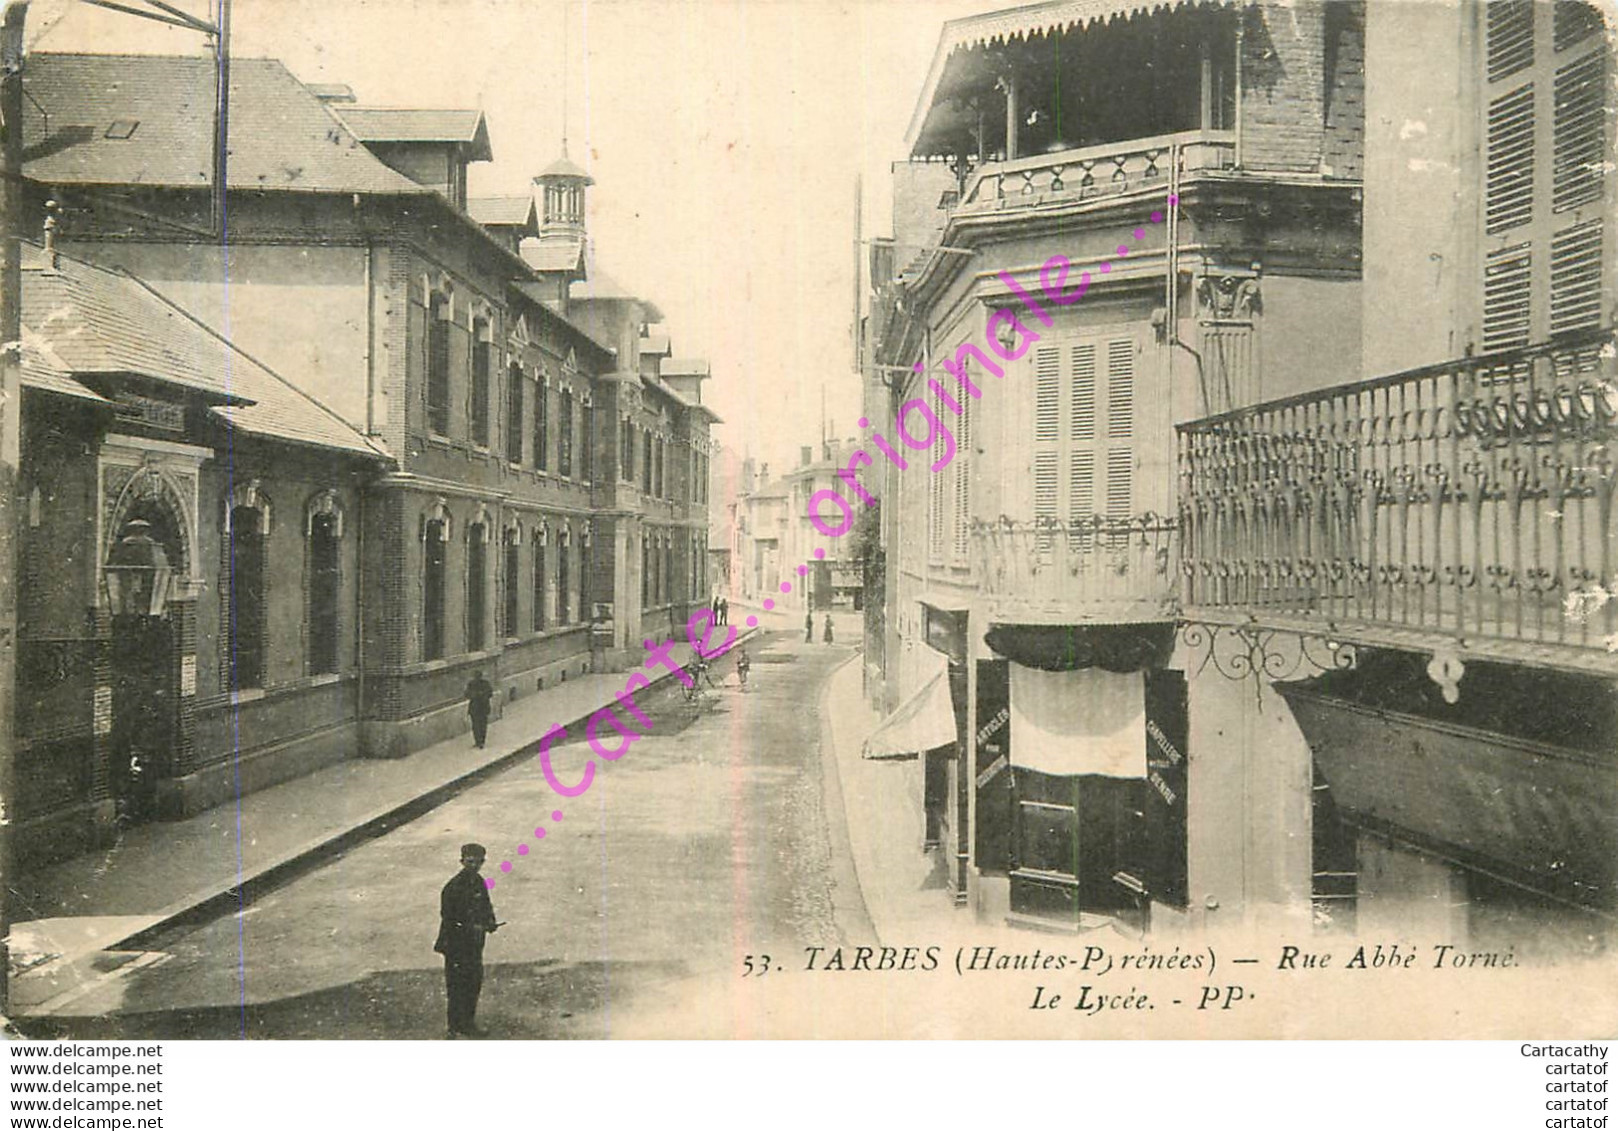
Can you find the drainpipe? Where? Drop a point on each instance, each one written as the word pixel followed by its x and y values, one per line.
pixel 359 616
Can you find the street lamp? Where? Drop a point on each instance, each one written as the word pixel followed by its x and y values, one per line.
pixel 137 573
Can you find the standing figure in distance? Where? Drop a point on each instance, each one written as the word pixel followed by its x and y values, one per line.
pixel 724 610
pixel 827 636
pixel 478 696
pixel 465 919
pixel 808 627
pixel 743 666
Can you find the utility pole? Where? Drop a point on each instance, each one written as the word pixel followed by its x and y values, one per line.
pixel 11 202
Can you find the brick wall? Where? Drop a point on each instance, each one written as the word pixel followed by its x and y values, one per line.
pixel 1283 86
pixel 1343 146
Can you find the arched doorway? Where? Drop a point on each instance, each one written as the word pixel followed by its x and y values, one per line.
pixel 144 660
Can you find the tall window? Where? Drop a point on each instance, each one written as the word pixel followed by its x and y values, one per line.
pixel 563 578
pixel 539 581
pixel 542 424
pixel 645 571
pixel 514 429
pixel 586 443
pixel 482 378
pixel 564 444
pixel 435 546
pixel 646 462
pixel 513 578
pixel 324 581
pixel 246 587
pixel 438 312
pixel 477 584
pixel 666 574
pixel 626 446
pixel 658 489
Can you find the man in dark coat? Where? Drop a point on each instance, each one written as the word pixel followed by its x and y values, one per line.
pixel 478 696
pixel 808 627
pixel 724 610
pixel 465 919
pixel 828 628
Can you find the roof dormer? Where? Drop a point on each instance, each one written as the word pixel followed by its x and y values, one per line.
pixel 431 147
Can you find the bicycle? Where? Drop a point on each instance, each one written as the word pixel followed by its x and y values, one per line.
pixel 698 682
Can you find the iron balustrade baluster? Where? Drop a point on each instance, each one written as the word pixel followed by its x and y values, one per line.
pixel 1472 499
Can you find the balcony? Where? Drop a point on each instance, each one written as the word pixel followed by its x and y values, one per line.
pixel 1073 176
pixel 1465 507
pixel 1096 570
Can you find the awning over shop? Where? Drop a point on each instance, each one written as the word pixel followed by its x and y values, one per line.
pixel 1067 647
pixel 1541 816
pixel 925 721
pixel 1078 722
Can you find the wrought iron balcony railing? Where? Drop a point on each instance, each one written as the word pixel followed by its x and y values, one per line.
pixel 1112 570
pixel 1073 175
pixel 1472 500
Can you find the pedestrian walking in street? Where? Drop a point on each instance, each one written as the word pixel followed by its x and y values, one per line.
pixel 713 608
pixel 478 696
pixel 465 920
pixel 743 666
pixel 724 610
pixel 808 627
pixel 827 636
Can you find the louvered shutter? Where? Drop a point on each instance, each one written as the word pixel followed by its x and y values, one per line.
pixel 1576 278
pixel 1576 164
pixel 1574 22
pixel 1510 32
pixel 1083 431
pixel 1506 276
pixel 1083 417
pixel 1509 193
pixel 962 468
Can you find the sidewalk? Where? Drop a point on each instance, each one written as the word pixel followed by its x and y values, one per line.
pixel 905 890
pixel 162 873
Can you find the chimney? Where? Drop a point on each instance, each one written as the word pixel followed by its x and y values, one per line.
pixel 806 456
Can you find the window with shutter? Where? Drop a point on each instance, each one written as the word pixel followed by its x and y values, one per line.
pixel 1576 278
pixel 1510 37
pixel 1506 276
pixel 1509 194
pixel 1069 430
pixel 1546 99
pixel 1576 165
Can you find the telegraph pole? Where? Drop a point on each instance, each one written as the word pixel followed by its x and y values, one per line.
pixel 11 207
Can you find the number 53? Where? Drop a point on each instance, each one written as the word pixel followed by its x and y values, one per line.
pixel 757 970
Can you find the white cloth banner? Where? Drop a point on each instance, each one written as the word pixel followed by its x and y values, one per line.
pixel 1087 721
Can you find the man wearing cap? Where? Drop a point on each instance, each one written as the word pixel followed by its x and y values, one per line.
pixel 465 918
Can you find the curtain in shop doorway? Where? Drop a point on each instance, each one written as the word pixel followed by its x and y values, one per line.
pixel 1084 721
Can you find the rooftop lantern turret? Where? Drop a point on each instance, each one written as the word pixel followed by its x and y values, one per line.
pixel 561 195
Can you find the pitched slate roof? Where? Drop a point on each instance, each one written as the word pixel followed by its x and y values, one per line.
pixel 81 320
pixel 655 343
pixel 282 136
pixel 683 367
pixel 554 255
pixel 505 212
pixel 562 167
pixel 43 370
pixel 385 124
